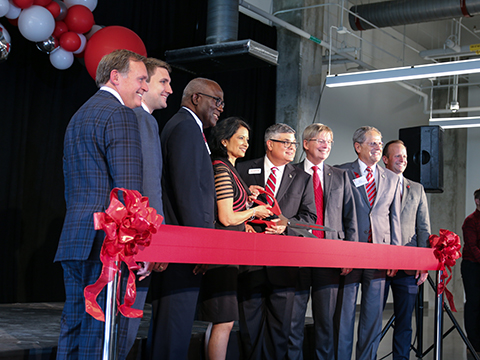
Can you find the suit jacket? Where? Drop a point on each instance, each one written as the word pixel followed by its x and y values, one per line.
pixel 152 158
pixel 338 204
pixel 384 215
pixel 102 151
pixel 414 216
pixel 187 181
pixel 296 200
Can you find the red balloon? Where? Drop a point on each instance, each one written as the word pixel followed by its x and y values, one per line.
pixel 54 9
pixel 70 41
pixel 14 22
pixel 108 39
pixel 79 19
pixel 41 2
pixel 22 4
pixel 60 28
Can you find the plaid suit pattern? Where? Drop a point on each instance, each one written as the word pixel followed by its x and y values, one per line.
pixel 102 150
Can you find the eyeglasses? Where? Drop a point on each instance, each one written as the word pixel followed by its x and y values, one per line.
pixel 375 144
pixel 218 102
pixel 287 144
pixel 322 142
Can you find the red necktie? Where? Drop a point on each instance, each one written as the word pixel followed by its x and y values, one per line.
pixel 270 187
pixel 317 188
pixel 371 193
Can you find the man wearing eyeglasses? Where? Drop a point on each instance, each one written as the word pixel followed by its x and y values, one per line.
pixel 188 200
pixel 377 201
pixel 336 210
pixel 266 293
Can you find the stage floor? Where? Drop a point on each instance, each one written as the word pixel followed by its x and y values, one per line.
pixel 30 331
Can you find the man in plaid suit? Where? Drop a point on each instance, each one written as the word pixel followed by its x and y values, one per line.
pixel 102 150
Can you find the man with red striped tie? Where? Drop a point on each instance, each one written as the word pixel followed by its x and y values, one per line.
pixel 335 210
pixel 266 292
pixel 377 201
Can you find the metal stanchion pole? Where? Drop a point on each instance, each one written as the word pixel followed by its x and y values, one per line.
pixel 110 337
pixel 419 316
pixel 438 319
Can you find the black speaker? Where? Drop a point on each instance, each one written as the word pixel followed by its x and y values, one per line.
pixel 425 156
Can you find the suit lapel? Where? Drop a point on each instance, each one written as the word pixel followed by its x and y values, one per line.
pixel 288 176
pixel 362 189
pixel 406 190
pixel 327 183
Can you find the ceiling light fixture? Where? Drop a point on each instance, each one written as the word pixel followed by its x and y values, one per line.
pixel 405 73
pixel 456 122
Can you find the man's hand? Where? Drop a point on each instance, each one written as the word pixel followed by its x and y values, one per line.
pixel 249 228
pixel 391 272
pixel 421 275
pixel 200 269
pixel 345 271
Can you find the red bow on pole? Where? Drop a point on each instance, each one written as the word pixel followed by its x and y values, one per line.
pixel 447 250
pixel 128 228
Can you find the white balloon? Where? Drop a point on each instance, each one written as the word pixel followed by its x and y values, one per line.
pixel 91 4
pixel 36 23
pixel 82 45
pixel 61 59
pixel 4 7
pixel 6 35
pixel 13 11
pixel 93 30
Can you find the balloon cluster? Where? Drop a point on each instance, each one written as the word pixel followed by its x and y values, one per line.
pixel 65 29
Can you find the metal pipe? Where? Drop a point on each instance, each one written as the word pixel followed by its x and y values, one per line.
pixel 404 12
pixel 222 21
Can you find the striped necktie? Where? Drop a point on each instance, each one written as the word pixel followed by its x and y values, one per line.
pixel 271 184
pixel 370 187
pixel 371 193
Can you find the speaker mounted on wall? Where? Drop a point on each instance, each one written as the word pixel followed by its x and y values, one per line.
pixel 425 156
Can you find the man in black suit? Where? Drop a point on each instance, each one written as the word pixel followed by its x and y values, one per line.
pixel 189 200
pixel 336 210
pixel 266 293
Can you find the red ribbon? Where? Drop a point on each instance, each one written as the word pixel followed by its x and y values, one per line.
pixel 446 249
pixel 128 229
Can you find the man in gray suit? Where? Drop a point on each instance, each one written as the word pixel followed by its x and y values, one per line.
pixel 377 201
pixel 415 232
pixel 154 99
pixel 336 210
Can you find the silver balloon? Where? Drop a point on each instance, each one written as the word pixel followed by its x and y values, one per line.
pixel 4 47
pixel 47 46
pixel 63 10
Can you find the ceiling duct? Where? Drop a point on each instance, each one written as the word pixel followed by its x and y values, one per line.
pixel 404 12
pixel 223 51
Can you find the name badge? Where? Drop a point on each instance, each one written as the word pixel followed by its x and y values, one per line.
pixel 360 181
pixel 254 171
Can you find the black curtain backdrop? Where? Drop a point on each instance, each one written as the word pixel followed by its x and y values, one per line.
pixel 37 102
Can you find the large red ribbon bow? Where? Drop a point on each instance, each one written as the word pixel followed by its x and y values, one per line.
pixel 128 228
pixel 447 250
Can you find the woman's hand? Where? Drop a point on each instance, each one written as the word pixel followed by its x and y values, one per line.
pixel 263 211
pixel 254 189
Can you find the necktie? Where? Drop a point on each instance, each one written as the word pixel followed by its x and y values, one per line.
pixel 317 188
pixel 371 193
pixel 371 188
pixel 270 187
